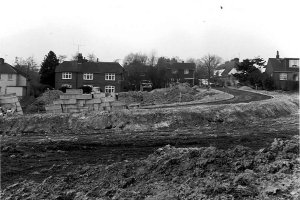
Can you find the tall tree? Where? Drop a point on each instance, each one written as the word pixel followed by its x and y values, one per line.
pixel 210 62
pixel 47 70
pixel 250 73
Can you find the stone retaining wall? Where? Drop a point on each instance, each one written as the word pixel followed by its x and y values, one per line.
pixel 74 101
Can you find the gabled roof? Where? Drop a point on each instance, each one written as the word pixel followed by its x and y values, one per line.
pixel 281 64
pixel 182 66
pixel 89 67
pixel 7 69
pixel 228 66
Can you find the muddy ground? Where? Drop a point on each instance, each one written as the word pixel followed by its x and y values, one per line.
pixel 73 165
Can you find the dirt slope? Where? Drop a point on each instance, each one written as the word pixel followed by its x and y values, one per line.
pixel 142 120
pixel 180 173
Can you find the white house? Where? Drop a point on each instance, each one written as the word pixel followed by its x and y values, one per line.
pixel 11 81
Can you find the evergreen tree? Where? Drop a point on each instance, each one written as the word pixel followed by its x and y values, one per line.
pixel 47 70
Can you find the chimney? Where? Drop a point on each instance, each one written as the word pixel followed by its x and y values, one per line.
pixel 79 58
pixel 1 60
pixel 182 61
pixel 97 59
pixel 277 56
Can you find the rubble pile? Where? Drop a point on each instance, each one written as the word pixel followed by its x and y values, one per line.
pixel 179 173
pixel 177 93
pixel 74 101
pixel 46 98
pixel 10 105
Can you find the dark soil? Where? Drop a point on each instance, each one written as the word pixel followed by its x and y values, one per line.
pixel 35 157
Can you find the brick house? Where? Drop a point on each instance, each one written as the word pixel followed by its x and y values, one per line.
pixel 12 81
pixel 284 71
pixel 182 72
pixel 108 76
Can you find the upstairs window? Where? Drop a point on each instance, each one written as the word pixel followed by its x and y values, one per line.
pixel 10 77
pixel 110 77
pixel 186 71
pixel 66 75
pixel 110 89
pixel 88 76
pixel 294 63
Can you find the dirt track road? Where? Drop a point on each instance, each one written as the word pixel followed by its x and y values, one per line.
pixel 240 96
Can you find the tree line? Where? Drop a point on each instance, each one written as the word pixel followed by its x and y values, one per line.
pixel 154 68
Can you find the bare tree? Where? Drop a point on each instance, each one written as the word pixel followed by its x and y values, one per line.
pixel 135 58
pixel 62 58
pixel 91 57
pixel 28 63
pixel 152 59
pixel 210 62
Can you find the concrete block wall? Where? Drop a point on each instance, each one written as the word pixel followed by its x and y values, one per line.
pixel 74 101
pixel 10 102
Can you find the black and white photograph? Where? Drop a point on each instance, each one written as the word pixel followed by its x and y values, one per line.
pixel 149 99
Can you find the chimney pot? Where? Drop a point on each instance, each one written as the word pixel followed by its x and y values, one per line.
pixel 1 60
pixel 277 55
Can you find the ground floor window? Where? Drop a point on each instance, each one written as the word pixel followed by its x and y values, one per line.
pixel 109 89
pixel 283 76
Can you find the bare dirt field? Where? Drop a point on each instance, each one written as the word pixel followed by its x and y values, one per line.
pixel 241 151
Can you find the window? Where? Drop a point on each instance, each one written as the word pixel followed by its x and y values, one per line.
pixel 174 71
pixel 109 89
pixel 10 77
pixel 294 63
pixel 88 76
pixel 186 71
pixel 110 77
pixel 67 75
pixel 283 76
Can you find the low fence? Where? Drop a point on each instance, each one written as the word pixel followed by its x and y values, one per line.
pixel 74 101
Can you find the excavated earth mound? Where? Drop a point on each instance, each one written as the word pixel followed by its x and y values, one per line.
pixel 147 120
pixel 179 173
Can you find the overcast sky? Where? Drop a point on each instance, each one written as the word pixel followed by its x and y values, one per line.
pixel 112 29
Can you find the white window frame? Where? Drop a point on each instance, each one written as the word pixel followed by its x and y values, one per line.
pixel 109 89
pixel 9 77
pixel 110 76
pixel 88 76
pixel 283 76
pixel 67 75
pixel 186 71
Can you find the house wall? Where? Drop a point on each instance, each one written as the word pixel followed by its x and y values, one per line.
pixel 289 84
pixel 21 80
pixel 20 91
pixel 182 77
pixel 4 82
pixel 98 81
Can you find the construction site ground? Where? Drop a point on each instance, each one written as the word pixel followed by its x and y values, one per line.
pixel 45 165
